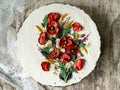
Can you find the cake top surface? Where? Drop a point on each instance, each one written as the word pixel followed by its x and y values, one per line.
pixel 58 45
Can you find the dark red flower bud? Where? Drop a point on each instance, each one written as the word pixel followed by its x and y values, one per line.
pixel 76 26
pixel 43 38
pixel 45 66
pixel 79 64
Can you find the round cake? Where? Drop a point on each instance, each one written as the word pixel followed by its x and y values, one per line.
pixel 58 45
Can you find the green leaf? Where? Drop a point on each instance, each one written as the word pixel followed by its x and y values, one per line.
pixel 69 75
pixel 59 35
pixel 73 69
pixel 82 35
pixel 43 24
pixel 81 53
pixel 61 65
pixel 82 45
pixel 53 40
pixel 65 73
pixel 45 21
pixel 66 31
pixel 45 51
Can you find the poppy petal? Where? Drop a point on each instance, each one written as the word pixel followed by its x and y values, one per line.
pixel 76 26
pixel 45 66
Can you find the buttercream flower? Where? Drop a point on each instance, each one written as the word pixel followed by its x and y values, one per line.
pixel 54 54
pixel 45 66
pixel 76 26
pixel 53 16
pixel 65 58
pixel 43 38
pixel 79 64
pixel 72 50
pixel 65 41
pixel 52 28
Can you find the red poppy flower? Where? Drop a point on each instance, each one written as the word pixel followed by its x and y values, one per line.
pixel 65 58
pixel 52 27
pixel 79 64
pixel 54 54
pixel 65 41
pixel 76 26
pixel 53 16
pixel 72 50
pixel 45 66
pixel 43 38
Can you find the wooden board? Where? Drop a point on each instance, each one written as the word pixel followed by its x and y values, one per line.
pixel 106 15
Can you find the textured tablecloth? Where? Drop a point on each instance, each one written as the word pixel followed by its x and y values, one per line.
pixel 12 15
pixel 105 13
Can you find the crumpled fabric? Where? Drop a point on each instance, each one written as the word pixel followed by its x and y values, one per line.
pixel 12 15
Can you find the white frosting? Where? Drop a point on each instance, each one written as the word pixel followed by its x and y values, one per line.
pixel 30 56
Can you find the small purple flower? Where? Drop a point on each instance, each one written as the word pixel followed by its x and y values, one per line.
pixel 63 23
pixel 53 45
pixel 84 39
pixel 39 48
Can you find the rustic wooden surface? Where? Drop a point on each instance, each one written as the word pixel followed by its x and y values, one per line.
pixel 106 15
pixel 5 86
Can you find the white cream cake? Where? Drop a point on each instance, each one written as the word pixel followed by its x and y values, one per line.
pixel 58 45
